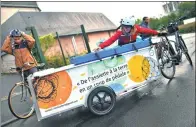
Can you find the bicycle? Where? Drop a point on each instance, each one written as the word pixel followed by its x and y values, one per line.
pixel 22 88
pixel 180 45
pixel 164 55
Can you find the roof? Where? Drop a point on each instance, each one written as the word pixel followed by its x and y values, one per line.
pixel 20 4
pixel 65 23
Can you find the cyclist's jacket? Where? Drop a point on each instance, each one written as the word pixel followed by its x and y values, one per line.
pixel 21 52
pixel 127 39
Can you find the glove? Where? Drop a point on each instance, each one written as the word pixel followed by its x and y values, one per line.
pixel 162 34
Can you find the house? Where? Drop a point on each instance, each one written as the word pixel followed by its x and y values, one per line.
pixel 11 7
pixel 67 24
pixel 170 7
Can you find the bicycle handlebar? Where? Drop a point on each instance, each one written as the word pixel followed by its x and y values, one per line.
pixel 20 68
pixel 162 28
pixel 179 19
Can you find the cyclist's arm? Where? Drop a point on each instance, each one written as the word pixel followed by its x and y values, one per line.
pixel 7 46
pixel 30 40
pixel 143 30
pixel 111 40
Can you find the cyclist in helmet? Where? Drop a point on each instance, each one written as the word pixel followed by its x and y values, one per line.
pixel 128 33
pixel 19 44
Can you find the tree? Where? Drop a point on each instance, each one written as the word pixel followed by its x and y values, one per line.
pixel 138 21
pixel 187 9
pixel 154 23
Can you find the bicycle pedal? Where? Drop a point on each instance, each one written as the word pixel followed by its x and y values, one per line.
pixel 177 63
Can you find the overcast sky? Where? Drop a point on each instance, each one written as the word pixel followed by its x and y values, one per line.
pixel 113 10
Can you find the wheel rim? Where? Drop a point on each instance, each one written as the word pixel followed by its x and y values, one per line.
pixel 21 106
pixel 102 102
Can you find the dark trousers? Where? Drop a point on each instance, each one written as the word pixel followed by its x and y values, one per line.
pixel 30 71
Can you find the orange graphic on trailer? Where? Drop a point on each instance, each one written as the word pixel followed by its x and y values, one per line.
pixel 53 90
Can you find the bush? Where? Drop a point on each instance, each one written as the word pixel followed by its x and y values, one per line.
pixel 57 61
pixel 46 41
pixel 187 28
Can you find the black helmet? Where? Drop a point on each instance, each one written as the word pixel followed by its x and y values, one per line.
pixel 15 33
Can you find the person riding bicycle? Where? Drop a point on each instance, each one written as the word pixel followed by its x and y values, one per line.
pixel 128 33
pixel 19 45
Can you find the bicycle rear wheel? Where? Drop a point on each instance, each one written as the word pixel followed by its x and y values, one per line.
pixel 185 51
pixel 165 62
pixel 20 101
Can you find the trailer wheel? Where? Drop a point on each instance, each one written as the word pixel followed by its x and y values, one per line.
pixel 101 101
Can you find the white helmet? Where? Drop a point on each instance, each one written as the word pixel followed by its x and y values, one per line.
pixel 128 21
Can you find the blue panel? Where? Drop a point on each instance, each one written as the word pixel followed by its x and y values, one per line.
pixel 92 56
pixel 109 52
pixel 129 47
pixel 83 59
pixel 106 53
pixel 142 44
pixel 124 48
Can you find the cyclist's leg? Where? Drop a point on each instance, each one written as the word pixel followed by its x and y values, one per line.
pixel 32 70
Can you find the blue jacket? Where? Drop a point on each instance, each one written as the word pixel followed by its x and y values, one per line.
pixel 145 25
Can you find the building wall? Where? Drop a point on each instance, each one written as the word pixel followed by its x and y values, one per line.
pixel 67 44
pixel 187 21
pixel 170 7
pixel 8 61
pixel 8 12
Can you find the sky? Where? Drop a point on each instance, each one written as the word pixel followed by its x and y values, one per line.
pixel 113 10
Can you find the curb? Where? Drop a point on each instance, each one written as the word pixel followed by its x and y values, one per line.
pixel 9 121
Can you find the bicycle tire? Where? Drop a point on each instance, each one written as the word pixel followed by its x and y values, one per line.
pixel 173 64
pixel 184 48
pixel 11 107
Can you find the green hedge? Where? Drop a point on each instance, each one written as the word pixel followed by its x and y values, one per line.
pixel 57 61
pixel 187 28
pixel 46 41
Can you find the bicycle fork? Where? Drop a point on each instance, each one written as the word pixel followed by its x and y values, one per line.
pixel 24 89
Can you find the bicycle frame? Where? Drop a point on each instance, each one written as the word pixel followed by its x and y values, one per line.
pixel 23 83
pixel 177 38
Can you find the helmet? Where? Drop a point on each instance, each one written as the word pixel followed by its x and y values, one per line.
pixel 128 21
pixel 15 33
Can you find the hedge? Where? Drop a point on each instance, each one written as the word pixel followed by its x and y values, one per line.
pixel 57 61
pixel 46 41
pixel 187 28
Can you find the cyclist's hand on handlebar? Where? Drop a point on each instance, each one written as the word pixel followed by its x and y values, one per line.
pixel 162 34
pixel 97 49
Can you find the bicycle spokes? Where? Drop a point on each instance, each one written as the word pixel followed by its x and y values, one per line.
pixel 20 102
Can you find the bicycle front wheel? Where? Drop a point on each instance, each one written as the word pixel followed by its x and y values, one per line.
pixel 167 66
pixel 20 101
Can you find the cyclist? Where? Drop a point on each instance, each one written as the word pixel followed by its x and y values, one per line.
pixel 145 24
pixel 19 44
pixel 128 33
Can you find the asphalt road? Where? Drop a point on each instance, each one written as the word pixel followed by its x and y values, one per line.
pixel 171 104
